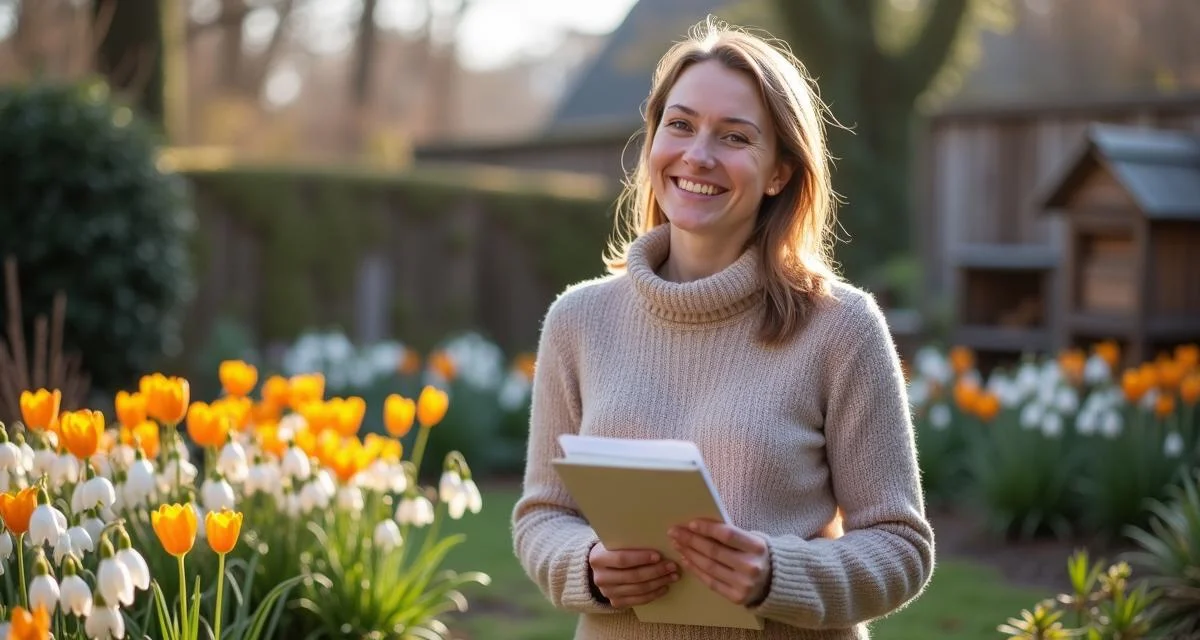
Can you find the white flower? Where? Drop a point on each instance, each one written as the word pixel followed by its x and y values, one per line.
pixel 93 526
pixel 105 622
pixel 1088 421
pixel 263 477
pixel 1031 415
pixel 43 463
pixel 217 495
pixel 1027 379
pixel 314 496
pixel 140 483
pixel 177 470
pixel 1052 424
pixel 474 498
pixel 1111 424
pixel 449 486
pixel 114 582
pixel 416 511
pixel 350 499
pixel 939 416
pixel 46 524
pixel 295 464
pixel 75 540
pixel 387 535
pixel 101 464
pixel 75 596
pixel 27 456
pixel 1096 370
pixel 65 470
pixel 98 492
pixel 232 462
pixel 1173 445
pixel 1066 400
pixel 930 363
pixel 10 457
pixel 43 592
pixel 6 549
pixel 135 564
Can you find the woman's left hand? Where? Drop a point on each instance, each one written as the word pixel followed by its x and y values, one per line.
pixel 731 561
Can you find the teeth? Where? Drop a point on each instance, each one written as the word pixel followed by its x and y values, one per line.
pixel 694 187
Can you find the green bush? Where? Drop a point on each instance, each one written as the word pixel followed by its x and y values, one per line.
pixel 86 211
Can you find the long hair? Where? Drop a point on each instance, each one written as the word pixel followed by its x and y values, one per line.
pixel 794 228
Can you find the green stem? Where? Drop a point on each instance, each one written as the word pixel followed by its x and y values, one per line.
pixel 183 600
pixel 439 509
pixel 220 588
pixel 419 451
pixel 21 570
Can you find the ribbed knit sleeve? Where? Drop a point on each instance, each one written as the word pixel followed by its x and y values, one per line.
pixel 551 540
pixel 886 556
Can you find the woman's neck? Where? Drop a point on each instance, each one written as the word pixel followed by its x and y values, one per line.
pixel 694 257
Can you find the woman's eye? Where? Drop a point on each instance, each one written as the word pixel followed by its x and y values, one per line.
pixel 678 124
pixel 739 138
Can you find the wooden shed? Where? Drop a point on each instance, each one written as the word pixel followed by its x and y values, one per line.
pixel 1129 200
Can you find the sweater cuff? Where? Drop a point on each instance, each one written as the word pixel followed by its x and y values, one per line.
pixel 579 593
pixel 791 596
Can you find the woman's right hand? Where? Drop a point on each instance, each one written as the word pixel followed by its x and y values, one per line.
pixel 630 577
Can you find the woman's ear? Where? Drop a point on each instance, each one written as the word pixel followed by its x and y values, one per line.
pixel 783 174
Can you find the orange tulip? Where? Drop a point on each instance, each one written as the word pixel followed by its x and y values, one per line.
pixel 398 414
pixel 1189 389
pixel 304 389
pixel 987 406
pixel 388 449
pixel 207 426
pixel 443 365
pixel 131 408
pixel 175 525
pixel 236 408
pixel 222 529
pixel 346 461
pixel 1135 384
pixel 269 440
pixel 1164 405
pixel 966 395
pixel 237 377
pixel 318 414
pixel 347 414
pixel 24 625
pixel 525 364
pixel 1170 374
pixel 81 432
pixel 17 508
pixel 1110 352
pixel 431 406
pixel 167 398
pixel 410 364
pixel 145 435
pixel 1188 356
pixel 962 360
pixel 1072 362
pixel 276 391
pixel 39 409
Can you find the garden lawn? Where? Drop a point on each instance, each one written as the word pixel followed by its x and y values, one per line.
pixel 964 601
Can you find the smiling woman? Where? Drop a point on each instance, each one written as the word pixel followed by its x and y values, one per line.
pixel 723 323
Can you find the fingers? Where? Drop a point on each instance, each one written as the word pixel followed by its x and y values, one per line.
pixel 739 587
pixel 623 558
pixel 729 536
pixel 631 577
pixel 625 595
pixel 729 561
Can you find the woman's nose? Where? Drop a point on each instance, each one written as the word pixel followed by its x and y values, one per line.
pixel 699 152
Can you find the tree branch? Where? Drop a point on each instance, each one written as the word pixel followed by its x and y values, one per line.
pixel 917 67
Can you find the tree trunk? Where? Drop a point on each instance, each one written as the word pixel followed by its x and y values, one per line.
pixel 130 52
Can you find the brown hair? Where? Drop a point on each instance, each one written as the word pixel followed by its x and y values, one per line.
pixel 794 228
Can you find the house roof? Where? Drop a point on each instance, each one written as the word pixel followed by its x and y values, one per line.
pixel 610 93
pixel 1159 168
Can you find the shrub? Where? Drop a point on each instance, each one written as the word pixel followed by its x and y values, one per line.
pixel 1170 558
pixel 87 212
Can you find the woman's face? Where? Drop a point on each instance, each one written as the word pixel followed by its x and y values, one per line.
pixel 714 155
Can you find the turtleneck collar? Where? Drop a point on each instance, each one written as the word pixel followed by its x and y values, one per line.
pixel 718 297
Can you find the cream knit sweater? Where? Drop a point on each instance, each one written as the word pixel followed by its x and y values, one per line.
pixel 789 435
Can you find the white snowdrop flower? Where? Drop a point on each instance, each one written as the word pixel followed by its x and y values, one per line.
pixel 105 621
pixel 1050 375
pixel 177 469
pixel 27 456
pixel 10 456
pixel 1066 400
pixel 375 476
pixel 93 526
pixel 123 455
pixel 76 541
pixel 113 581
pixel 406 511
pixel 313 496
pixel 397 478
pixel 75 596
pixel 514 393
pixel 939 416
pixel 217 495
pixel 387 536
pixel 7 484
pixel 43 463
pixel 1173 445
pixel 290 424
pixel 263 477
pixel 1096 370
pixel 932 364
pixel 350 499
pixel 98 493
pixel 1052 425
pixel 1031 415
pixel 139 483
pixel 232 462
pixel 325 479
pixel 46 524
pixel 43 592
pixel 474 497
pixel 64 470
pixel 135 565
pixel 100 462
pixel 1149 399
pixel 422 511
pixel 292 505
pixel 201 531
pixel 295 464
pixel 1028 379
pixel 6 549
pixel 1088 421
pixel 1111 424
pixel 450 485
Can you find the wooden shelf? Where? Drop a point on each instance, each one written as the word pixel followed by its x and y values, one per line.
pixel 1099 325
pixel 1174 327
pixel 993 338
pixel 1006 257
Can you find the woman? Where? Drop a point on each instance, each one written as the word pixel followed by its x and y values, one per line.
pixel 723 323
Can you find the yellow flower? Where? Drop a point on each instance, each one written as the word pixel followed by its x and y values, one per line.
pixel 1072 362
pixel 1164 405
pixel 318 414
pixel 398 414
pixel 269 440
pixel 387 449
pixel 1189 389
pixel 348 459
pixel 1188 356
pixel 987 406
pixel 237 409
pixel 29 626
pixel 1110 352
pixel 131 408
pixel 166 397
pixel 175 525
pixel 966 395
pixel 207 426
pixel 443 365
pixel 1135 383
pixel 144 434
pixel 304 389
pixel 81 431
pixel 222 529
pixel 39 409
pixel 17 508
pixel 347 414
pixel 237 377
pixel 431 406
pixel 962 360
pixel 277 392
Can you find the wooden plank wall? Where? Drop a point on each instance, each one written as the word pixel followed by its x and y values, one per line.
pixel 980 170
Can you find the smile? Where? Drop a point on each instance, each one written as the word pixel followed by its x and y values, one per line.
pixel 698 188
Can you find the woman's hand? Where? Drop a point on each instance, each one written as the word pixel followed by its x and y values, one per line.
pixel 732 562
pixel 630 577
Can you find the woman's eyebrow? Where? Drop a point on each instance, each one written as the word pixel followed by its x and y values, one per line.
pixel 695 114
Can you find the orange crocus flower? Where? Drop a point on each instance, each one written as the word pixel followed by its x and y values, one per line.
pixel 1170 374
pixel 237 377
pixel 175 525
pixel 81 432
pixel 398 414
pixel 144 434
pixel 39 409
pixel 167 398
pixel 1164 405
pixel 1189 389
pixel 388 449
pixel 410 364
pixel 442 364
pixel 17 508
pixel 306 388
pixel 269 440
pixel 346 461
pixel 1110 352
pixel 24 625
pixel 966 395
pixel 962 360
pixel 237 409
pixel 277 391
pixel 987 406
pixel 222 529
pixel 1188 356
pixel 131 408
pixel 431 406
pixel 346 415
pixel 1135 383
pixel 525 364
pixel 1072 362
pixel 207 426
